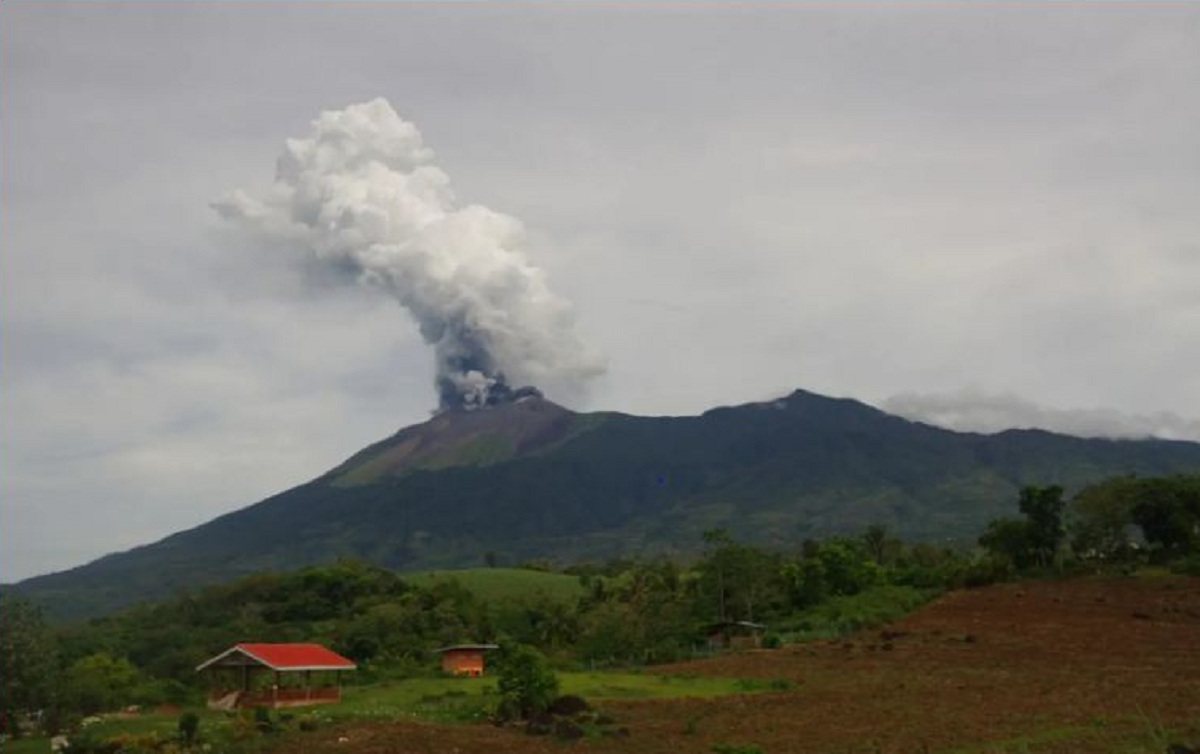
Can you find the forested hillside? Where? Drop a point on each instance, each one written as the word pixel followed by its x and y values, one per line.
pixel 533 480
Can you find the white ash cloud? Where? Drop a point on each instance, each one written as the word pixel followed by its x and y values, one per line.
pixel 973 410
pixel 362 194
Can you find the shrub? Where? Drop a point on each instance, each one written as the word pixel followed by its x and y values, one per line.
pixel 309 724
pixel 1189 566
pixel 569 704
pixel 90 742
pixel 189 723
pixel 525 681
pixel 262 720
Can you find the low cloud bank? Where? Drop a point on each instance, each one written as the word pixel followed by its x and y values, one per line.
pixel 977 411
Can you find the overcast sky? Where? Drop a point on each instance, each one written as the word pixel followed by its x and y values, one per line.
pixel 987 215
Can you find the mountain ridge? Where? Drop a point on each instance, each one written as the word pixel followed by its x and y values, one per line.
pixel 532 479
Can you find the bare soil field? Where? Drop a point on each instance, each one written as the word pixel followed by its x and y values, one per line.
pixel 1080 665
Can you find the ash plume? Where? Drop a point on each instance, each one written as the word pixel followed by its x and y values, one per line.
pixel 361 192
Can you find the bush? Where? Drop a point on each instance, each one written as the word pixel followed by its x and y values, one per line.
pixel 90 742
pixel 262 720
pixel 525 681
pixel 189 723
pixel 569 704
pixel 1189 566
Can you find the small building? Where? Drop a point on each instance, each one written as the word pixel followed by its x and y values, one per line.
pixel 274 675
pixel 465 659
pixel 735 634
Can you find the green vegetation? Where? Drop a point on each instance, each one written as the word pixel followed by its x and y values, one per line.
pixel 1034 540
pixel 526 682
pixel 31 665
pixel 533 480
pixel 841 616
pixel 434 698
pixel 1122 521
pixel 498 585
pixel 552 626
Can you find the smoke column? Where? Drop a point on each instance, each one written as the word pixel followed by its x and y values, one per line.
pixel 360 192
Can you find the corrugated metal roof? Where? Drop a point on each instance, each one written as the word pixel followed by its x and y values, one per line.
pixel 464 647
pixel 286 656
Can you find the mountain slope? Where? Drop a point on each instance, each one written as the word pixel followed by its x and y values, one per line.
pixel 532 479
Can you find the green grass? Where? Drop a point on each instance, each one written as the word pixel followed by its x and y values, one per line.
pixel 151 723
pixel 28 746
pixel 505 584
pixel 442 699
pixel 470 698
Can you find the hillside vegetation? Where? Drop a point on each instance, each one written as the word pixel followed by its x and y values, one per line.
pixel 531 480
pixel 500 585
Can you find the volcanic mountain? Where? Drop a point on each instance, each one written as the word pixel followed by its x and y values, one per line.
pixel 531 479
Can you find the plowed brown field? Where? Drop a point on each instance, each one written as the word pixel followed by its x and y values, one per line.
pixel 1083 665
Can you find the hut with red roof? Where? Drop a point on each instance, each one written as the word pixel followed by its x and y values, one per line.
pixel 275 675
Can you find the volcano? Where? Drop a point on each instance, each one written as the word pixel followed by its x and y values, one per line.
pixel 531 479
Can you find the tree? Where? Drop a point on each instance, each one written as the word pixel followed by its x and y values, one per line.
pixel 1168 511
pixel 876 540
pixel 846 567
pixel 100 682
pixel 804 581
pixel 30 661
pixel 738 575
pixel 1102 515
pixel 1008 539
pixel 718 540
pixel 1043 509
pixel 526 682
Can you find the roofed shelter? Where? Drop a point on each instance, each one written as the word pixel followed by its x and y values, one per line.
pixel 464 659
pixel 735 634
pixel 275 675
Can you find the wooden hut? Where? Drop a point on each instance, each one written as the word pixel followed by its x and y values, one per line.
pixel 465 659
pixel 735 634
pixel 275 675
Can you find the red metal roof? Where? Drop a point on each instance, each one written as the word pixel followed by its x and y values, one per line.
pixel 280 656
pixel 288 656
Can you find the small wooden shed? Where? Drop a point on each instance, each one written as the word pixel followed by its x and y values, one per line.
pixel 275 675
pixel 465 659
pixel 735 634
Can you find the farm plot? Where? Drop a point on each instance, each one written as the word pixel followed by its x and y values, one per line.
pixel 1082 665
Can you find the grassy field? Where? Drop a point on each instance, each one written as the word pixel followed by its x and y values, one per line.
pixel 503 584
pixel 436 699
pixel 451 699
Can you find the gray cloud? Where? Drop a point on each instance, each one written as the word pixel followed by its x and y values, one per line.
pixel 861 200
pixel 972 410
